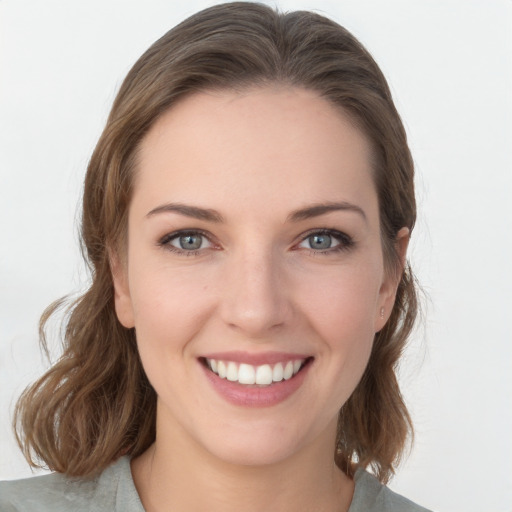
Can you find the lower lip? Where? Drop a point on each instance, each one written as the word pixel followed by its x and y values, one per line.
pixel 249 396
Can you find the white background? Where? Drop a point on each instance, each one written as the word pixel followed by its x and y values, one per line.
pixel 449 64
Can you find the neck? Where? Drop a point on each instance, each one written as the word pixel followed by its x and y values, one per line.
pixel 177 475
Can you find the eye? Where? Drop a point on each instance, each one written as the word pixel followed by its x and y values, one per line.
pixel 319 241
pixel 326 241
pixel 186 241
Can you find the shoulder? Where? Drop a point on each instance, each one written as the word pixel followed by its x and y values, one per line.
pixel 112 490
pixel 49 492
pixel 371 496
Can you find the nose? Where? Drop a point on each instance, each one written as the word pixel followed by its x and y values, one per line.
pixel 255 294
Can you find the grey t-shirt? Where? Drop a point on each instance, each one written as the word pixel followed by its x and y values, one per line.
pixel 114 491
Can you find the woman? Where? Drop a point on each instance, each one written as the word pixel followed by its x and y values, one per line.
pixel 246 216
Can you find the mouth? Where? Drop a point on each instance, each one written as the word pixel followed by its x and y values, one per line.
pixel 261 376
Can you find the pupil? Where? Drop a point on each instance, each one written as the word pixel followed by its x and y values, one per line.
pixel 320 241
pixel 190 242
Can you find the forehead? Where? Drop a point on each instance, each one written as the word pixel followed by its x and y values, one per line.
pixel 273 144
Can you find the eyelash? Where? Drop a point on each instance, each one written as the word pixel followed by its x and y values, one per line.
pixel 164 242
pixel 345 242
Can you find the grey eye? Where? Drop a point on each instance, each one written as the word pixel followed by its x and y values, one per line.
pixel 320 241
pixel 189 242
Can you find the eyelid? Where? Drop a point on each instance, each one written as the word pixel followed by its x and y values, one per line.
pixel 345 241
pixel 165 240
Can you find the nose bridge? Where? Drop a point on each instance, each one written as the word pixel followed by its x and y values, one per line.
pixel 254 296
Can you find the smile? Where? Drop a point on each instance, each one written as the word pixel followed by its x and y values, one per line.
pixel 260 375
pixel 256 380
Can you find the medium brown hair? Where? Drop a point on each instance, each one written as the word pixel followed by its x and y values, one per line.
pixel 96 403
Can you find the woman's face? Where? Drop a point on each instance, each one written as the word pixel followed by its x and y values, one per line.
pixel 254 275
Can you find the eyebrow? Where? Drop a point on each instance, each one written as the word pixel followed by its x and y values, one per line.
pixel 210 215
pixel 316 210
pixel 189 211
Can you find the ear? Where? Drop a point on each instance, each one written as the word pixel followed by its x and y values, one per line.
pixel 122 298
pixel 387 292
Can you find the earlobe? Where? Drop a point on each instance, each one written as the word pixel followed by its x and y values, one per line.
pixel 392 279
pixel 122 298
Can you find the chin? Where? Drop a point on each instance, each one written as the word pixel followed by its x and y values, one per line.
pixel 255 454
pixel 266 443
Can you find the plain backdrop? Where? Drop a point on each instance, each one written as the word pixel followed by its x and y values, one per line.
pixel 449 65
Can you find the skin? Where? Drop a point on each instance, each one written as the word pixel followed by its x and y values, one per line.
pixel 255 285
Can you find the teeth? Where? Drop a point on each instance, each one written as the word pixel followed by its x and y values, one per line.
pixel 246 374
pixel 222 372
pixel 277 374
pixel 232 372
pixel 288 370
pixel 262 375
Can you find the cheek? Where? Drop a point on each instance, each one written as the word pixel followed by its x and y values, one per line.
pixel 340 309
pixel 169 306
pixel 342 300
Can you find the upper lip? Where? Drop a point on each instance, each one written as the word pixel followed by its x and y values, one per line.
pixel 256 359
